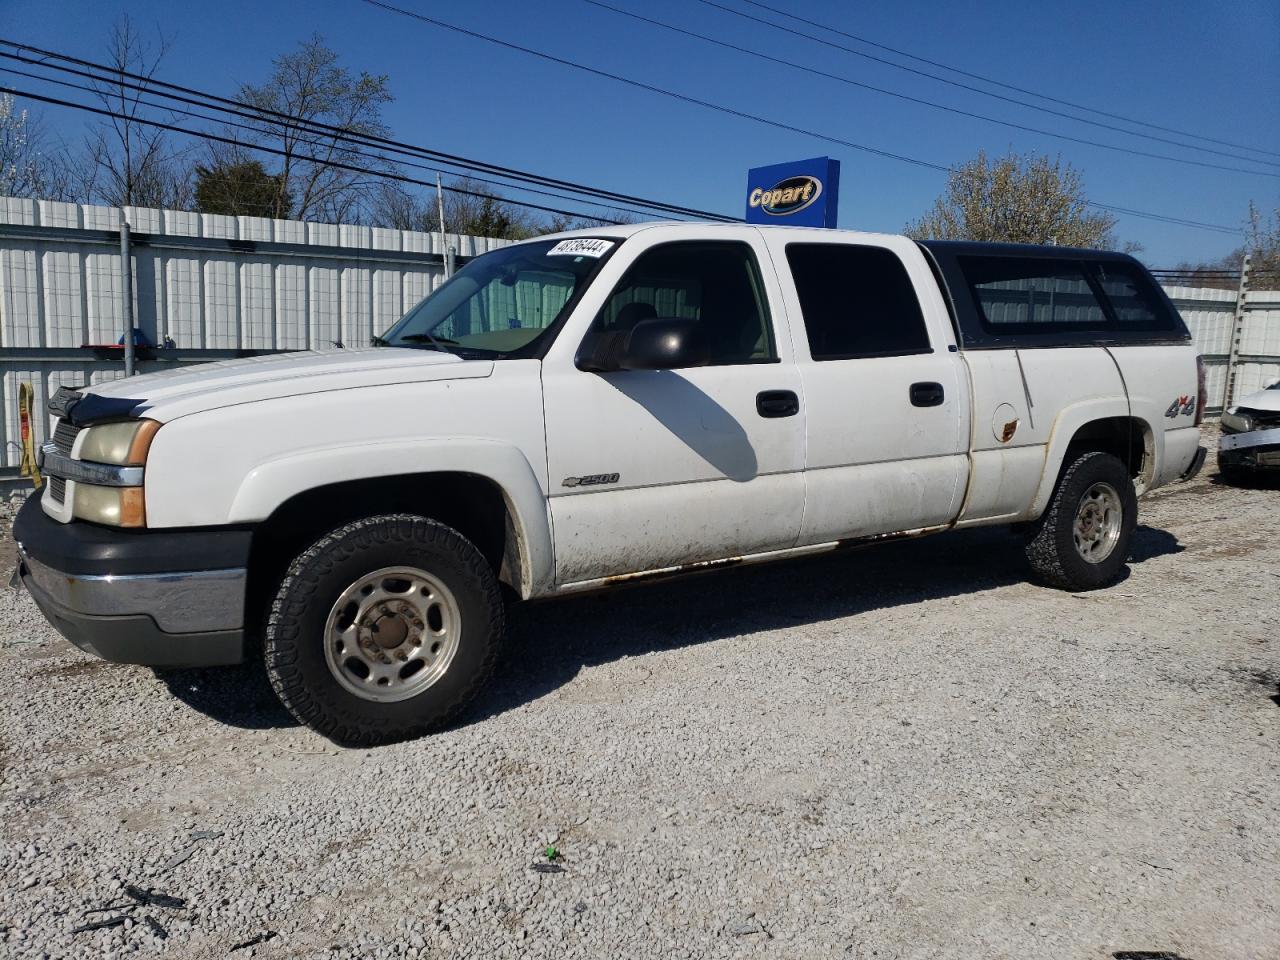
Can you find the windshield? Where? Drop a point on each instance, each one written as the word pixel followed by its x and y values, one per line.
pixel 500 304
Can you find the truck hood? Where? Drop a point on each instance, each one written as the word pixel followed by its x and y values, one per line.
pixel 1268 399
pixel 193 389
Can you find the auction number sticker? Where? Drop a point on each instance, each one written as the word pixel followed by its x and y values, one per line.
pixel 581 248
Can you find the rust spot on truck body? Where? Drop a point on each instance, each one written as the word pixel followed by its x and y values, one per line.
pixel 648 576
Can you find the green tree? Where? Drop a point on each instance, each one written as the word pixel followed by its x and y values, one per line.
pixel 243 189
pixel 1015 199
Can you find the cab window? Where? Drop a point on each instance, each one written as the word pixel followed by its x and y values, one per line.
pixel 715 284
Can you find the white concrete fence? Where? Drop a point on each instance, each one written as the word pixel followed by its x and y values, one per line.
pixel 219 287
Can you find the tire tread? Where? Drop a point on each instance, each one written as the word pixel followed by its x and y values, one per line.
pixel 282 640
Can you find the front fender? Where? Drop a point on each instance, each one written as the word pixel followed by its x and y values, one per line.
pixel 270 484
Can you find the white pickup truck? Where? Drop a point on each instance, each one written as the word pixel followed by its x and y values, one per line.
pixel 594 408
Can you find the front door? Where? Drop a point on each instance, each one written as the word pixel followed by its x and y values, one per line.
pixel 651 469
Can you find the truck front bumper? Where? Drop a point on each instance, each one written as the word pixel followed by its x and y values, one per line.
pixel 164 599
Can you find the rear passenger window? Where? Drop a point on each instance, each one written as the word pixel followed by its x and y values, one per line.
pixel 1032 295
pixel 856 301
pixel 1133 301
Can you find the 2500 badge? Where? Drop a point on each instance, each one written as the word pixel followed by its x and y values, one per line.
pixel 593 480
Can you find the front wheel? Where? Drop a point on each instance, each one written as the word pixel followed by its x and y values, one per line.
pixel 383 630
pixel 1082 539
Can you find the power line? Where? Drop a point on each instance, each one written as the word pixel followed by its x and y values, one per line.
pixel 939 106
pixel 975 76
pixel 170 108
pixel 205 135
pixel 115 76
pixel 750 116
pixel 653 89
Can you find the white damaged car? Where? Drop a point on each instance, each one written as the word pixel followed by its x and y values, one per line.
pixel 1250 440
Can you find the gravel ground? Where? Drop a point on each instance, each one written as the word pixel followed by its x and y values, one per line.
pixel 904 752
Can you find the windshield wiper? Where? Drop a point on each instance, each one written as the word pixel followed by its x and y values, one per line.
pixel 437 343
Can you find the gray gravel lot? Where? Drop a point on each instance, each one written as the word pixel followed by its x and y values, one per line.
pixel 902 752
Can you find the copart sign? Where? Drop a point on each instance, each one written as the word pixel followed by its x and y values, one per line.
pixel 803 193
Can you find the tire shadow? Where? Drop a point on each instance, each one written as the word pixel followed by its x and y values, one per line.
pixel 1148 543
pixel 239 696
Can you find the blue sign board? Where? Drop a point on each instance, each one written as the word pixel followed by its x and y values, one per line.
pixel 804 193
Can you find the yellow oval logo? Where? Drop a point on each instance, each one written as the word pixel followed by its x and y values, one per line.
pixel 787 196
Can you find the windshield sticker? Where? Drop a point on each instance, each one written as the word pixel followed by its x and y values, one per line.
pixel 581 248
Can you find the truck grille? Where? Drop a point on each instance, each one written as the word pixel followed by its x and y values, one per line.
pixel 64 436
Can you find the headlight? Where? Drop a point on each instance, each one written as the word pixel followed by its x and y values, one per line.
pixel 1237 422
pixel 124 444
pixel 114 506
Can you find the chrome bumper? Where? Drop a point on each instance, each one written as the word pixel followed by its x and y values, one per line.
pixel 200 601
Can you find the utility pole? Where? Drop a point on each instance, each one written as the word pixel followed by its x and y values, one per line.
pixel 444 248
pixel 126 295
pixel 1237 332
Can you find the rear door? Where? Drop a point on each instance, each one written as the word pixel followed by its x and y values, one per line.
pixel 887 398
pixel 652 469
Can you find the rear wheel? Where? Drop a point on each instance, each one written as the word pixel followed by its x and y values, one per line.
pixel 1082 539
pixel 383 630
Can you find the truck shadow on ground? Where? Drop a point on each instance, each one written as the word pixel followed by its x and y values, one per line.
pixel 551 641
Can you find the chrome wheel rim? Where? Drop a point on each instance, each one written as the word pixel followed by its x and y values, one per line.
pixel 392 634
pixel 1099 518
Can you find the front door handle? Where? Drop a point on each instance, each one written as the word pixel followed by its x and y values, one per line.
pixel 777 403
pixel 927 394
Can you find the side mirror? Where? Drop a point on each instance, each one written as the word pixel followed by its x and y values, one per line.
pixel 663 343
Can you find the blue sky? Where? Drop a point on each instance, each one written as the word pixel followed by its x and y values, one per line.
pixel 1212 70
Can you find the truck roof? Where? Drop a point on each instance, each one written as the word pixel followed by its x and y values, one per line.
pixel 949 247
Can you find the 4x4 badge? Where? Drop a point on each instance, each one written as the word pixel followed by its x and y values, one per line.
pixel 1183 405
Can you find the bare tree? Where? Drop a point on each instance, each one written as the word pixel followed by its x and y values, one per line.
pixel 479 211
pixel 311 87
pixel 128 162
pixel 31 163
pixel 1262 241
pixel 1031 199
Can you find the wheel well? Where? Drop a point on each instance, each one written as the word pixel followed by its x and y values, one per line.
pixel 473 505
pixel 1128 439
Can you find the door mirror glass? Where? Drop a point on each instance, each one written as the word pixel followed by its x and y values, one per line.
pixel 663 343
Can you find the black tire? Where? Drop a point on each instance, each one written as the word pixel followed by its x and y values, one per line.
pixel 1052 549
pixel 293 644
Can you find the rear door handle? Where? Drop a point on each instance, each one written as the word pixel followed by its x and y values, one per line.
pixel 927 394
pixel 777 403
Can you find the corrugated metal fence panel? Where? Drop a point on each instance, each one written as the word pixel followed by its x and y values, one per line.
pixel 62 293
pixel 1209 314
